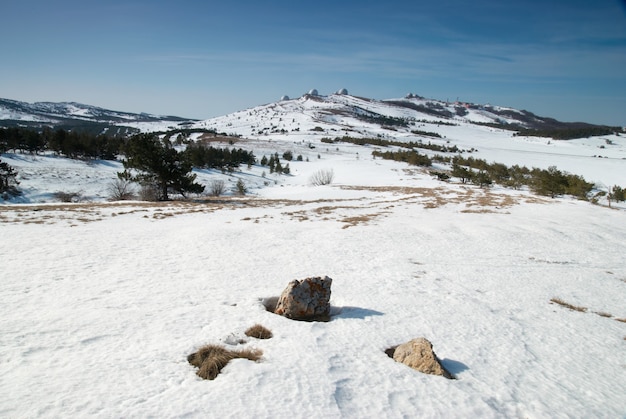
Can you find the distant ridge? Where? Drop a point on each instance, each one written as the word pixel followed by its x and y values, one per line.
pixel 341 112
pixel 337 108
pixel 73 115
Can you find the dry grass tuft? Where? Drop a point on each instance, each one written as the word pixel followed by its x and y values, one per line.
pixel 211 359
pixel 259 331
pixel 212 366
pixel 197 358
pixel 568 305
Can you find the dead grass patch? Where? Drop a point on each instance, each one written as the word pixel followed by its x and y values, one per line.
pixel 33 222
pixel 259 331
pixel 359 219
pixel 560 302
pixel 87 220
pixel 161 215
pixel 480 211
pixel 298 215
pixel 211 359
pixel 330 209
pixel 536 200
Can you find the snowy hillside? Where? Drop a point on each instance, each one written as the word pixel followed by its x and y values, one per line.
pixel 307 119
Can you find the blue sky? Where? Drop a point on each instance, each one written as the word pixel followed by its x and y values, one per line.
pixel 560 58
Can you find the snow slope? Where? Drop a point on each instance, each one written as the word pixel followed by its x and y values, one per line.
pixel 102 303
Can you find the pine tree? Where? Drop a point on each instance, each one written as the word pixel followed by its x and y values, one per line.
pixel 278 168
pixel 551 182
pixel 461 172
pixel 272 163
pixel 8 182
pixel 482 179
pixel 158 164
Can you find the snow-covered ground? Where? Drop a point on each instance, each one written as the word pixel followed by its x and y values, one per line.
pixel 102 302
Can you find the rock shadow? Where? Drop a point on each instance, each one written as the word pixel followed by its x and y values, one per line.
pixel 340 312
pixel 350 312
pixel 453 367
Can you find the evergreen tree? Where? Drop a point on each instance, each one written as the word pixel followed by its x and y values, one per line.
pixel 271 163
pixel 461 172
pixel 242 189
pixel 278 168
pixel 551 182
pixel 158 164
pixel 482 179
pixel 617 193
pixel 8 182
pixel 577 186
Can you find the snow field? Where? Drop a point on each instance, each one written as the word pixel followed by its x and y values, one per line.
pixel 98 318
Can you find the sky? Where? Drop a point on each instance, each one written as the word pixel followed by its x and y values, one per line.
pixel 199 59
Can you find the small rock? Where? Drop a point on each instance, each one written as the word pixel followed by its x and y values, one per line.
pixel 307 299
pixel 419 355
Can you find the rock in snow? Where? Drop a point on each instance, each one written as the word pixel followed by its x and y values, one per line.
pixel 419 355
pixel 308 299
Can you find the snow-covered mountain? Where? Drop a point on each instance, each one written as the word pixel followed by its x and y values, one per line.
pixel 70 115
pixel 342 112
pixel 339 111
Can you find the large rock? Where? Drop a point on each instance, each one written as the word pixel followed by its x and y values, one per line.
pixel 307 299
pixel 419 355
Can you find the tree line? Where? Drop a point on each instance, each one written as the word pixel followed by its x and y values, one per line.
pixel 72 144
pixel 547 182
pixel 386 143
pixel 568 133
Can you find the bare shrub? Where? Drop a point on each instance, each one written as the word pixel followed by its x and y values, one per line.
pixel 322 177
pixel 149 192
pixel 259 331
pixel 568 305
pixel 121 190
pixel 211 359
pixel 69 196
pixel 217 187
